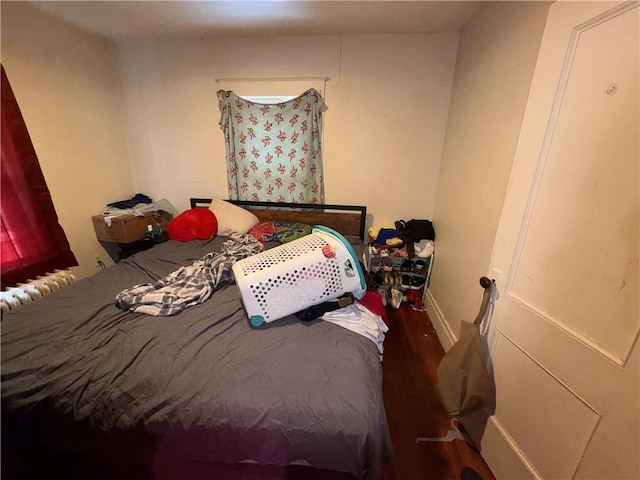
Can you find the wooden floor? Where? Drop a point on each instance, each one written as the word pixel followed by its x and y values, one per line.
pixel 412 353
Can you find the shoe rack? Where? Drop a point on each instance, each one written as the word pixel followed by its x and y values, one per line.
pixel 400 274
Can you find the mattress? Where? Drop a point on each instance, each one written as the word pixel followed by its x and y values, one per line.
pixel 200 386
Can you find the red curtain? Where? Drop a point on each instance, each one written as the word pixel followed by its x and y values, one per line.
pixel 32 240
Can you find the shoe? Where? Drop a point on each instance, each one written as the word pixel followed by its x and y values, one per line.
pixel 417 282
pixel 417 303
pixel 387 264
pixel 383 293
pixel 406 266
pixel 387 296
pixel 419 266
pixel 406 281
pixel 375 264
pixel 396 297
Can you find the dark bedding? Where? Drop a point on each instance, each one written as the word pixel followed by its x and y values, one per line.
pixel 200 386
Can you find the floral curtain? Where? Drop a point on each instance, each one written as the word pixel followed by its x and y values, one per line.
pixel 32 241
pixel 274 151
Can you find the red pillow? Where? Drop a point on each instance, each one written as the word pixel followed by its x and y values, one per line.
pixel 194 224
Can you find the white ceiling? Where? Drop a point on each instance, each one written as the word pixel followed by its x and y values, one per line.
pixel 126 19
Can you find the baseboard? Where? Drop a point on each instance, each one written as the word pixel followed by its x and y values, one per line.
pixel 443 330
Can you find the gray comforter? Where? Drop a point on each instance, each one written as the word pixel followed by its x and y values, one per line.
pixel 203 385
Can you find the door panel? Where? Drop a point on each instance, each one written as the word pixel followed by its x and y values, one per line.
pixel 584 222
pixel 554 445
pixel 566 254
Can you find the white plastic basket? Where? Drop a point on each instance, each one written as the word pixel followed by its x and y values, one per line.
pixel 316 268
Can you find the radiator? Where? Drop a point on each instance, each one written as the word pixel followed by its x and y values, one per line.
pixel 32 290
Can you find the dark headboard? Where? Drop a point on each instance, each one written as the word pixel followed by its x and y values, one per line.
pixel 346 219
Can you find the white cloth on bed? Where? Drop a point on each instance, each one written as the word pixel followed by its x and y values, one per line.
pixel 189 285
pixel 360 319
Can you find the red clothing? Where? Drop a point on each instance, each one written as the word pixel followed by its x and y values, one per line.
pixel 372 300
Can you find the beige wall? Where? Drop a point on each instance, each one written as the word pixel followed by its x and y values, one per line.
pixel 388 101
pixel 66 83
pixel 496 58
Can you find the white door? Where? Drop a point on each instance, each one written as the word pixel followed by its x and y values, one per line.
pixel 564 332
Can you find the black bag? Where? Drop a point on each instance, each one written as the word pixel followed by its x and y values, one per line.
pixel 415 230
pixel 315 311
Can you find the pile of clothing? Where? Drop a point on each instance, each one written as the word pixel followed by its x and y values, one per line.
pixel 138 205
pixel 419 232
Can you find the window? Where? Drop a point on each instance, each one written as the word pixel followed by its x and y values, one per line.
pixel 32 241
pixel 273 150
pixel 270 99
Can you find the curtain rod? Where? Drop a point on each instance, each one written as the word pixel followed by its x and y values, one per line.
pixel 270 79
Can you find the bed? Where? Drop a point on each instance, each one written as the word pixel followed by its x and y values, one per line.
pixel 202 388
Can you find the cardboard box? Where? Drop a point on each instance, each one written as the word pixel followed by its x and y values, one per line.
pixel 129 228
